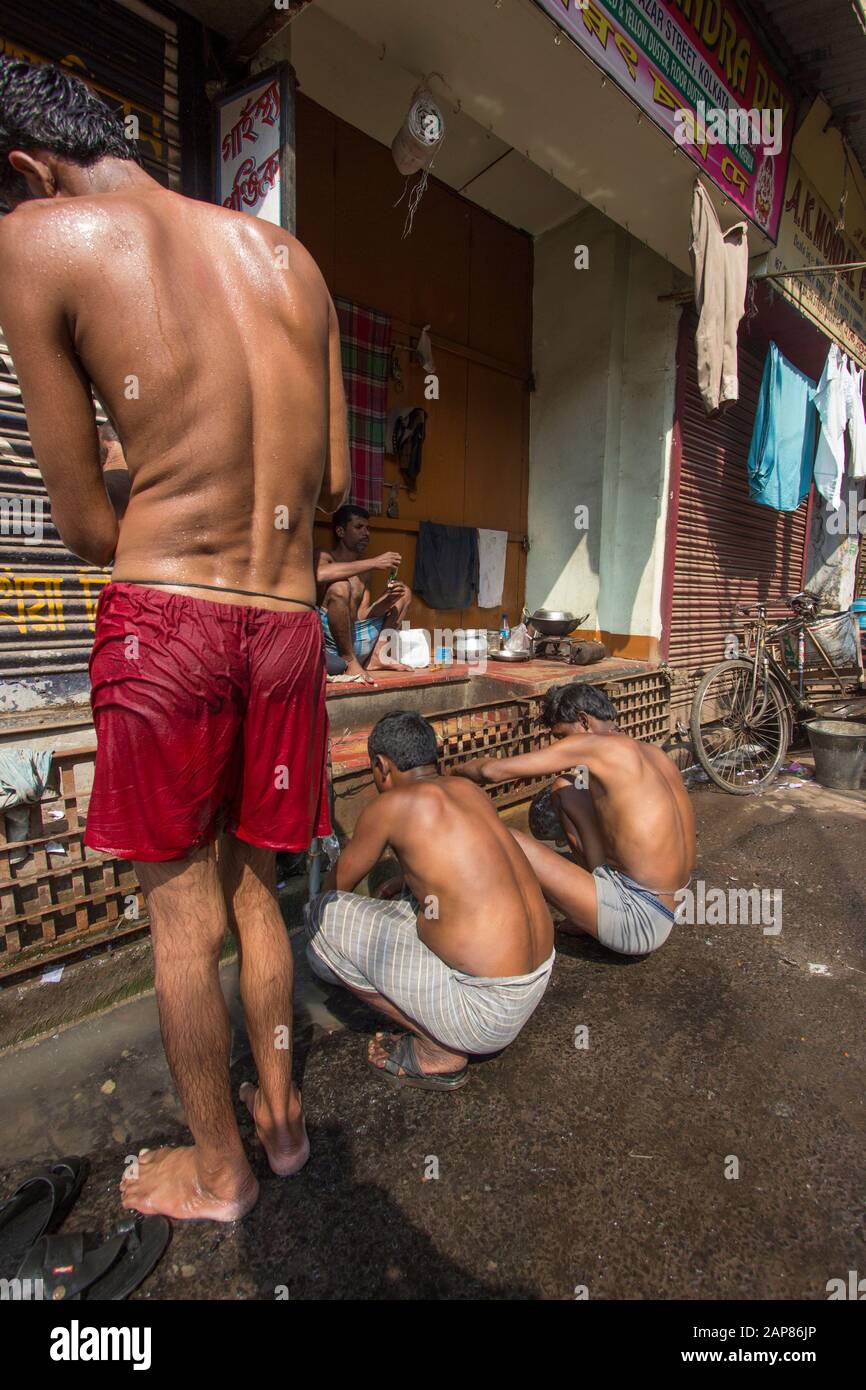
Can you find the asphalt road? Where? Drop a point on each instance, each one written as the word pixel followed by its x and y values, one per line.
pixel 706 1143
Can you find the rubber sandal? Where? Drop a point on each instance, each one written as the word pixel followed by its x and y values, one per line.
pixel 401 1058
pixel 76 1267
pixel 36 1208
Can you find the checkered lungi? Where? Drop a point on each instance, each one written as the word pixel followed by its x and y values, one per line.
pixel 373 946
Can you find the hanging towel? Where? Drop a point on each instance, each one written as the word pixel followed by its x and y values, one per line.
pixel 720 261
pixel 783 438
pixel 365 343
pixel 831 398
pixel 856 422
pixel 446 565
pixel 492 550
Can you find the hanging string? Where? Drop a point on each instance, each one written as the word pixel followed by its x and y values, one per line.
pixel 415 146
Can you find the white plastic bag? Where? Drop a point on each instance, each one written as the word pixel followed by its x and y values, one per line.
pixel 519 640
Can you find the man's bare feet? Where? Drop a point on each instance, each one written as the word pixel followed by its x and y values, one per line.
pixel 383 663
pixel 354 668
pixel 286 1145
pixel 171 1182
pixel 433 1060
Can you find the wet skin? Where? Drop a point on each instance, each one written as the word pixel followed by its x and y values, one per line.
pixel 212 342
pixel 635 815
pixel 458 858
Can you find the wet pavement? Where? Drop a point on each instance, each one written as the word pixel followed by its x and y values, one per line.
pixel 609 1166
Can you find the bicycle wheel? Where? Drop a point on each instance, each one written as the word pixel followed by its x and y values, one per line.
pixel 740 737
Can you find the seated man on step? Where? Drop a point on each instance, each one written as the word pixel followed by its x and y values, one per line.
pixel 625 813
pixel 462 958
pixel 356 628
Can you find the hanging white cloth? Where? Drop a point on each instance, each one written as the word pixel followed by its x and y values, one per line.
pixel 720 261
pixel 856 422
pixel 831 398
pixel 492 550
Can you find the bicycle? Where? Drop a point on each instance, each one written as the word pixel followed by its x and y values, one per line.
pixel 745 709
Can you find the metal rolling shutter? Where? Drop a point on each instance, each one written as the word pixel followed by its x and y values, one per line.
pixel 729 549
pixel 47 596
pixel 128 53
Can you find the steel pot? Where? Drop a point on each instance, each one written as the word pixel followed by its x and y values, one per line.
pixel 552 623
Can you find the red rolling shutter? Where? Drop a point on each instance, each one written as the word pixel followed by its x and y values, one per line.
pixel 728 549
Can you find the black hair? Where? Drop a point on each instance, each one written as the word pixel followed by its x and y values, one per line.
pixel 43 107
pixel 406 738
pixel 563 703
pixel 345 513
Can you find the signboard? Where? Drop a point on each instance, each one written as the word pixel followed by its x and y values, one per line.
pixel 808 235
pixel 700 56
pixel 254 157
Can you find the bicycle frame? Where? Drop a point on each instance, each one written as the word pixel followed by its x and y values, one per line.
pixel 763 655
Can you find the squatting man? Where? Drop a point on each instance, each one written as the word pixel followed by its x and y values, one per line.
pixel 630 831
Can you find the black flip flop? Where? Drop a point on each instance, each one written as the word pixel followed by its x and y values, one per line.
pixel 76 1267
pixel 38 1207
pixel 401 1057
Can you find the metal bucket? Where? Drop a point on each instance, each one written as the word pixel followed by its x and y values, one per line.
pixel 840 752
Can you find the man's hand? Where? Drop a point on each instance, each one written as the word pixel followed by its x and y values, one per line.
pixel 391 888
pixel 391 560
pixel 473 771
pixel 384 603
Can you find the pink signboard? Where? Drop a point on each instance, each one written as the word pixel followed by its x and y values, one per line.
pixel 703 57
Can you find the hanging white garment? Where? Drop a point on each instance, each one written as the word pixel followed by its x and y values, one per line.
pixel 831 398
pixel 856 422
pixel 720 261
pixel 492 552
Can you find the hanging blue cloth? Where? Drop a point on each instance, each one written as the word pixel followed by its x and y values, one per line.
pixel 783 440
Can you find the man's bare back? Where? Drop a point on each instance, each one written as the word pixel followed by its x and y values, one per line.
pixel 211 339
pixel 625 813
pixel 482 910
pixel 643 809
pixel 644 825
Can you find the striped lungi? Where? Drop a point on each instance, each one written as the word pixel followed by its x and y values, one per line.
pixel 373 946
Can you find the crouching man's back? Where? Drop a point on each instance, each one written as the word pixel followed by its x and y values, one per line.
pixel 462 955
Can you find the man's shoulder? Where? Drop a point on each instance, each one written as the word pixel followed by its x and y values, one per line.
pixel 51 228
pixel 18 227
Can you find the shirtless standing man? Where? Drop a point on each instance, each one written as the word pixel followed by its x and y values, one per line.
pixel 462 958
pixel 631 830
pixel 356 628
pixel 220 369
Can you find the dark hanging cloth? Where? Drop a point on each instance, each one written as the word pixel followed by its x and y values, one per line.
pixel 410 428
pixel 446 565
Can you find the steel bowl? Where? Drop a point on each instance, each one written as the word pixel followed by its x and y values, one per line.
pixel 551 623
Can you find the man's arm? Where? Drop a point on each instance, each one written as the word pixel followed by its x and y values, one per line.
pixel 338 467
pixel 365 848
pixel 328 570
pixel 57 396
pixel 560 756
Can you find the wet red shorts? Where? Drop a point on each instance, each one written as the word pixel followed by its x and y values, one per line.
pixel 209 716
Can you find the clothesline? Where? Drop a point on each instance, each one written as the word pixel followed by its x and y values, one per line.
pixel 683 296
